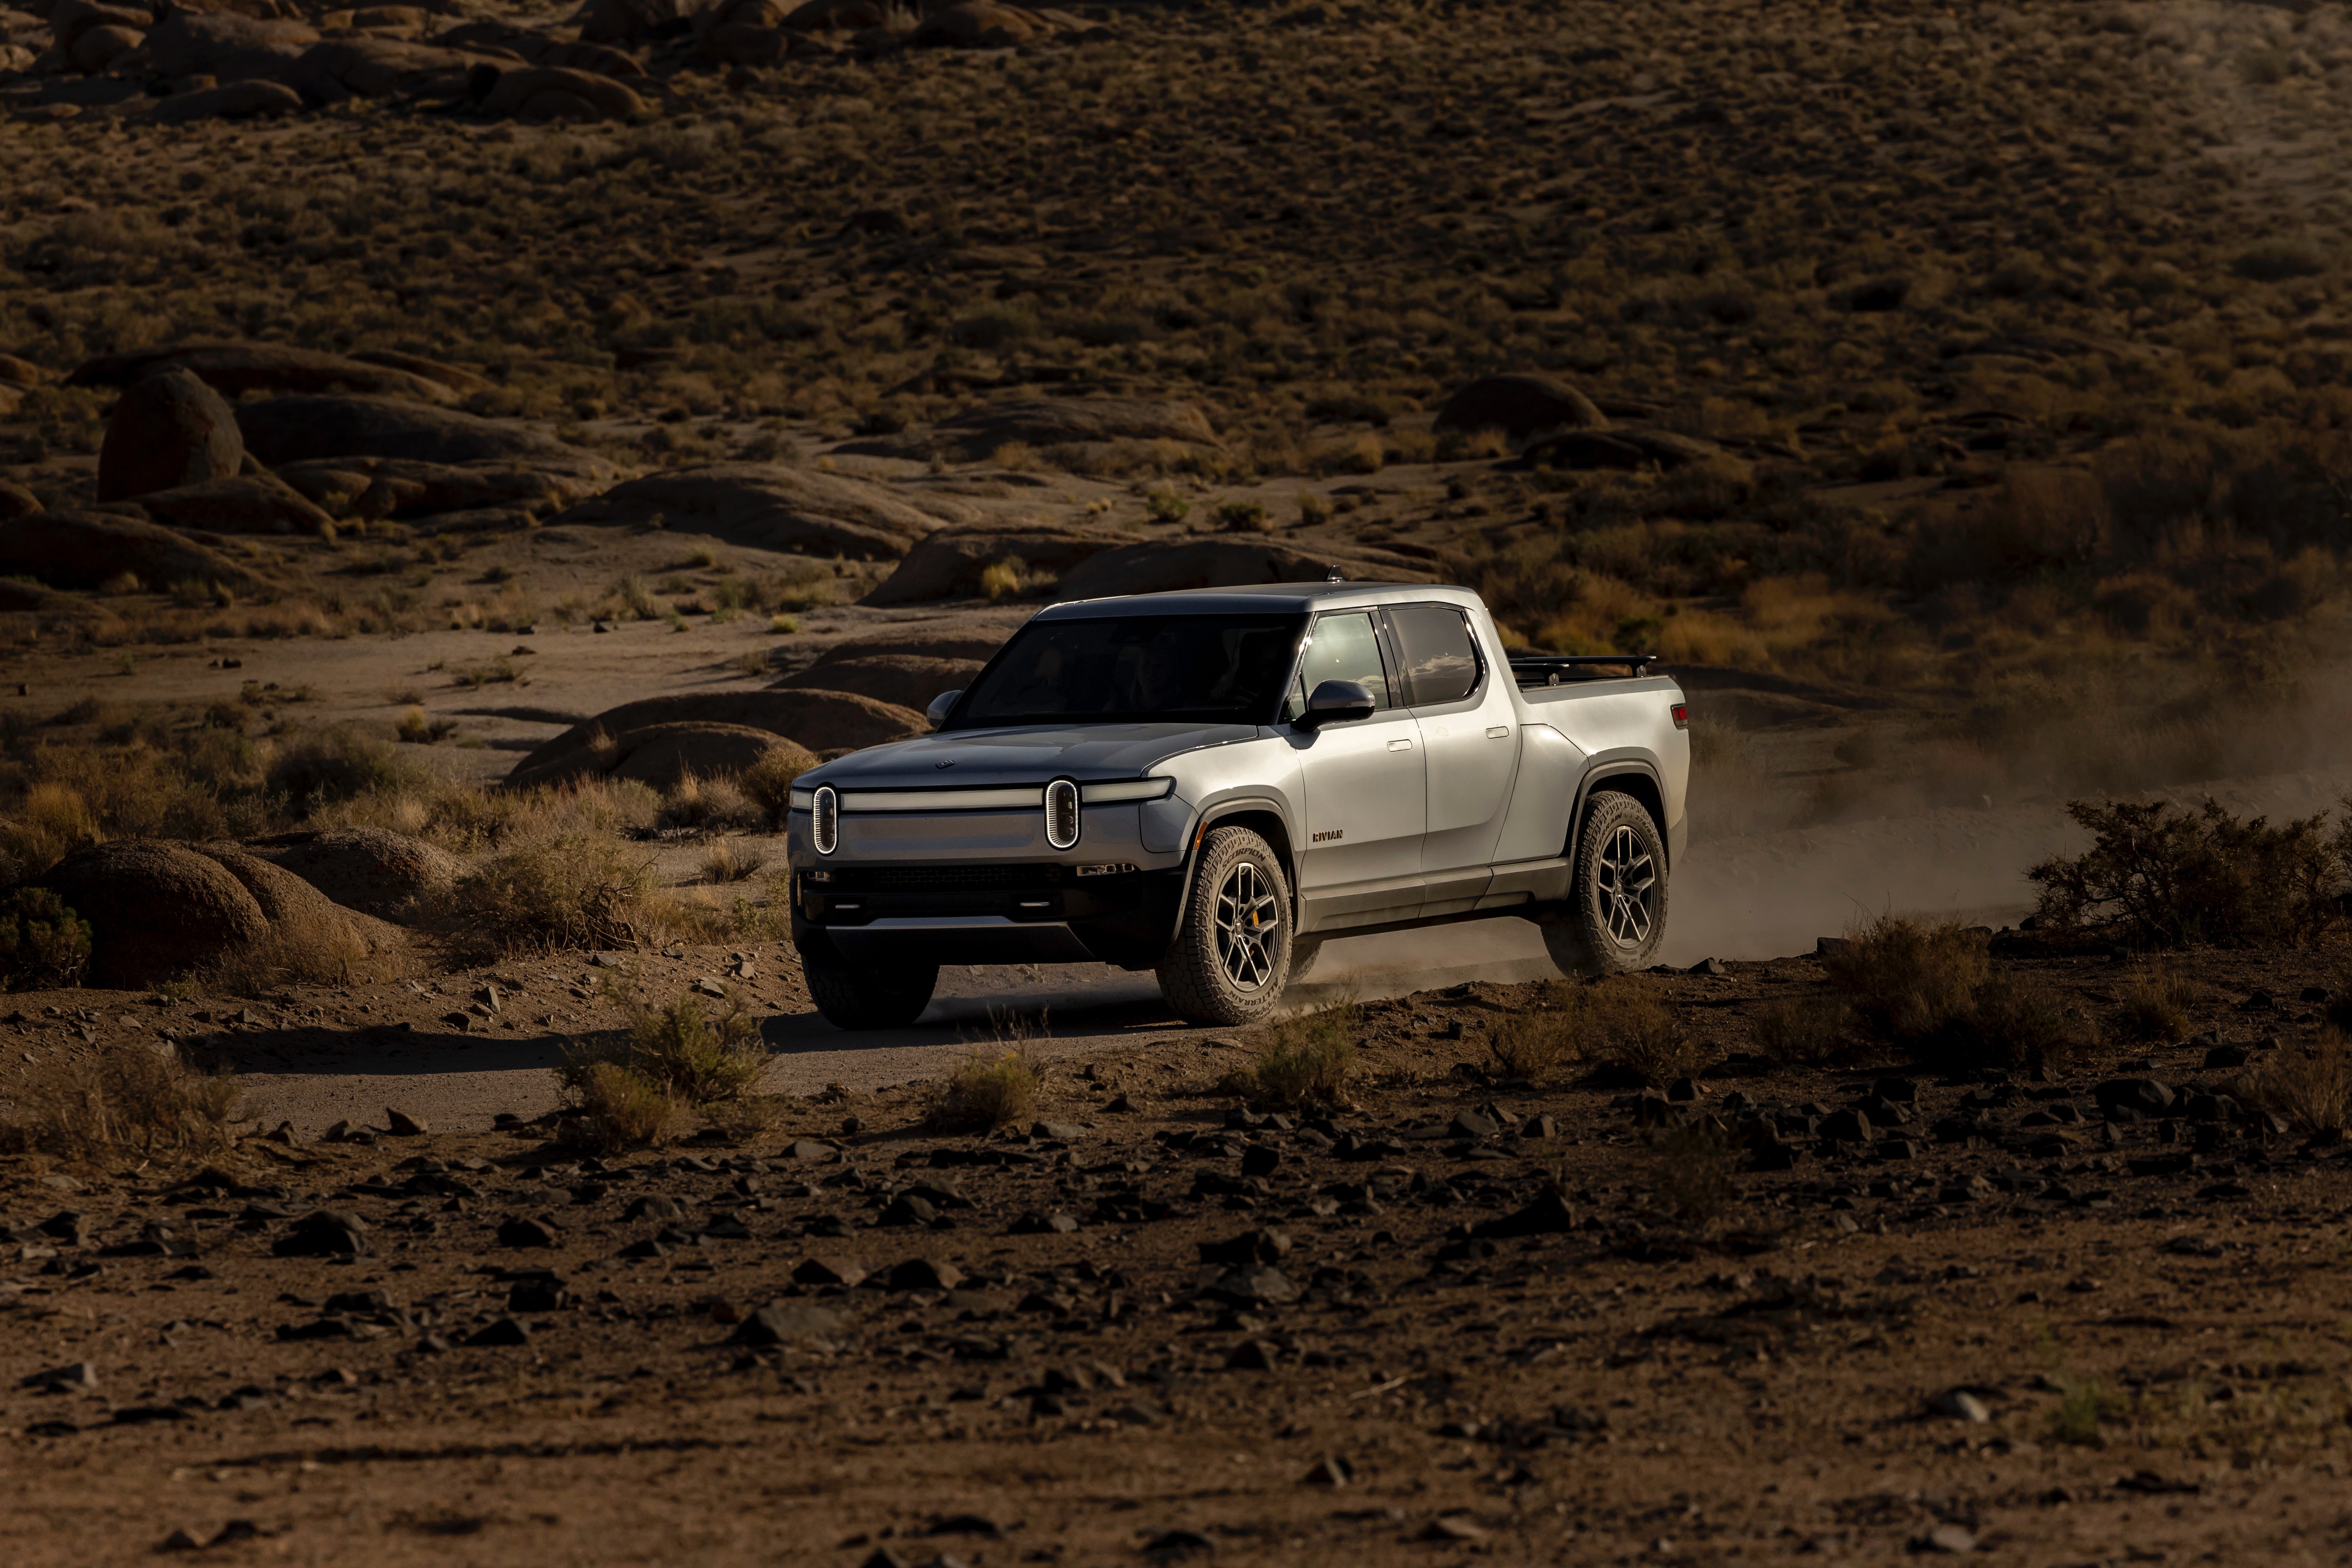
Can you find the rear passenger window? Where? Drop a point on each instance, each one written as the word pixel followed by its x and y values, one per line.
pixel 1441 662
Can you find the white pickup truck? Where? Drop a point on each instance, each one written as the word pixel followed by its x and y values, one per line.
pixel 1210 783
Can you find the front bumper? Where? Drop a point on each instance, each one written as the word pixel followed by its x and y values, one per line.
pixel 979 913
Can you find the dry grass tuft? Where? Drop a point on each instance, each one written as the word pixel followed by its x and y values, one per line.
pixel 1628 1029
pixel 1928 989
pixel 1813 1032
pixel 768 781
pixel 2156 1007
pixel 991 1089
pixel 731 860
pixel 617 1107
pixel 42 943
pixel 1531 1046
pixel 711 804
pixel 2309 1088
pixel 575 891
pixel 1306 1059
pixel 121 1102
pixel 627 1090
pixel 1689 1175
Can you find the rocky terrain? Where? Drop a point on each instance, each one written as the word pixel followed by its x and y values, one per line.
pixel 458 462
pixel 2075 1316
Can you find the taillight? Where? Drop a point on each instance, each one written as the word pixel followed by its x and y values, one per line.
pixel 1681 715
pixel 1062 813
pixel 825 821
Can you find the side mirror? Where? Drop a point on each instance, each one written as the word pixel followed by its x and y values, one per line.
pixel 937 711
pixel 1336 702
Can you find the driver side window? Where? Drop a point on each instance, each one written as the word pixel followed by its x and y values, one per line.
pixel 1342 647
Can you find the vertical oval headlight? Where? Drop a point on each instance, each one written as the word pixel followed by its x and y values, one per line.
pixel 1062 813
pixel 825 821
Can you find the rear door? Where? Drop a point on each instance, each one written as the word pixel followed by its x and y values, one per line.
pixel 1366 793
pixel 1470 747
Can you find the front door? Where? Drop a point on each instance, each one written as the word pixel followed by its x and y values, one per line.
pixel 1367 794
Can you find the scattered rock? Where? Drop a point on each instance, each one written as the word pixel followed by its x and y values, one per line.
pixel 846 1272
pixel 1621 449
pixel 80 1374
pixel 248 503
pixel 169 430
pixel 926 1274
pixel 498 1334
pixel 909 679
pixel 2144 1095
pixel 324 1233
pixel 948 563
pixel 1048 423
pixel 784 1322
pixel 403 1125
pixel 1960 1404
pixel 520 1232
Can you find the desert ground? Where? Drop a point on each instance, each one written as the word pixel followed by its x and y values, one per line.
pixel 460 462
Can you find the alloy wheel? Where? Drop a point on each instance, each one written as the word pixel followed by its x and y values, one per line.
pixel 1248 915
pixel 1627 883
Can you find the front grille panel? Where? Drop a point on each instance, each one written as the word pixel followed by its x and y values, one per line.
pixel 945 878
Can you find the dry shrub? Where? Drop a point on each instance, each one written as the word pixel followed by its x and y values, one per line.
pixel 616 1107
pixel 51 822
pixel 1906 979
pixel 335 764
pixel 125 1102
pixel 709 803
pixel 731 860
pixel 768 781
pixel 1812 1032
pixel 42 943
pixel 626 1088
pixel 1690 1171
pixel 1629 1030
pixel 2309 1088
pixel 467 819
pixel 1928 989
pixel 1306 1059
pixel 579 891
pixel 1529 1046
pixel 991 1089
pixel 290 957
pixel 2155 1006
pixel 2175 877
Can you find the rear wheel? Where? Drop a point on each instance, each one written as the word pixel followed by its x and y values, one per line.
pixel 1231 958
pixel 867 996
pixel 1614 918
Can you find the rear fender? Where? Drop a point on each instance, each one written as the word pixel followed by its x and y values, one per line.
pixel 1628 772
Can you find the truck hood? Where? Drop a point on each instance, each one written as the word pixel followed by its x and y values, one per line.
pixel 1090 752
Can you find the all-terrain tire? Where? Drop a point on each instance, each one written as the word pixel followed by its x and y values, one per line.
pixel 1614 918
pixel 867 995
pixel 1231 958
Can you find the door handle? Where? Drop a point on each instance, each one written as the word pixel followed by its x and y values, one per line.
pixel 1400 745
pixel 1498 732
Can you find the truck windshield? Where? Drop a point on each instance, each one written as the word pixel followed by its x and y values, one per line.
pixel 1213 668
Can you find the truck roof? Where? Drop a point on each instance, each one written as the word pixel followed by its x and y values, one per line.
pixel 1274 598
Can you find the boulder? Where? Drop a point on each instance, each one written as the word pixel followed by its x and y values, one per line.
pixel 370 869
pixel 1588 449
pixel 338 70
pixel 909 679
pixel 224 47
pixel 837 15
pixel 156 910
pixel 661 755
pixel 15 500
pixel 100 47
pixel 405 488
pixel 978 24
pixel 235 369
pixel 457 378
pixel 771 506
pixel 550 92
pixel 251 503
pixel 314 934
pixel 977 646
pixel 1159 568
pixel 168 429
pixel 302 428
pixel 70 21
pixel 84 548
pixel 15 372
pixel 535 48
pixel 637 21
pixel 1519 406
pixel 975 434
pixel 253 99
pixel 817 721
pixel 948 564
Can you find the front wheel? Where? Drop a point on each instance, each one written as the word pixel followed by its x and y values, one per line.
pixel 1231 957
pixel 1614 918
pixel 867 996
